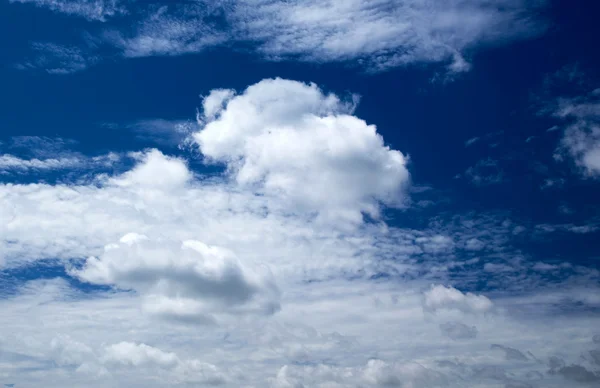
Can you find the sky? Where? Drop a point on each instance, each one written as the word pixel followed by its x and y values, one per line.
pixel 333 193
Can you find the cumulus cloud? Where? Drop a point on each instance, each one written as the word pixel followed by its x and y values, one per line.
pixel 376 373
pixel 448 298
pixel 190 281
pixel 156 170
pixel 352 312
pixel 292 140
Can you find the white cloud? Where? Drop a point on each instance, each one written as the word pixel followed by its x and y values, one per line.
pixel 10 162
pixel 131 354
pixel 381 34
pixel 436 244
pixel 291 140
pixel 448 298
pixel 190 281
pixel 96 10
pixel 155 171
pixel 474 245
pixel 375 35
pixel 352 311
pixel 75 161
pixel 375 373
pixel 581 138
pixel 182 31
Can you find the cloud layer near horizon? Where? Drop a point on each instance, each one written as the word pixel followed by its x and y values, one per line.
pixel 265 275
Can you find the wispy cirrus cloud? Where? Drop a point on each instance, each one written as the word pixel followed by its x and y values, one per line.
pixel 93 10
pixel 27 154
pixel 567 97
pixel 485 172
pixel 58 59
pixel 381 34
pixel 372 35
pixel 171 30
pixel 581 140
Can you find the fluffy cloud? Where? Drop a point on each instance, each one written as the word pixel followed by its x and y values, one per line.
pixel 448 298
pixel 352 311
pixel 376 373
pixel 190 282
pixel 292 140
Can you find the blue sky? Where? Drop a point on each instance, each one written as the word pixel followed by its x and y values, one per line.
pixel 313 193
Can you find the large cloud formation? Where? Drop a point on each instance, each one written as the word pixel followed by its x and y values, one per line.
pixel 311 151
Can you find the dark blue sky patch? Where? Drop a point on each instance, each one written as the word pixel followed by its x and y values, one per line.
pixel 11 279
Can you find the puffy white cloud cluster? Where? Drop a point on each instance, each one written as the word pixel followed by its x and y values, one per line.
pixel 291 140
pixel 376 373
pixel 110 362
pixel 189 281
pixel 211 249
pixel 449 298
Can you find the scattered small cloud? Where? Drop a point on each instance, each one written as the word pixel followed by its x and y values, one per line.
pixel 553 183
pixel 485 172
pixel 572 228
pixel 58 59
pixel 471 141
pixel 449 298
